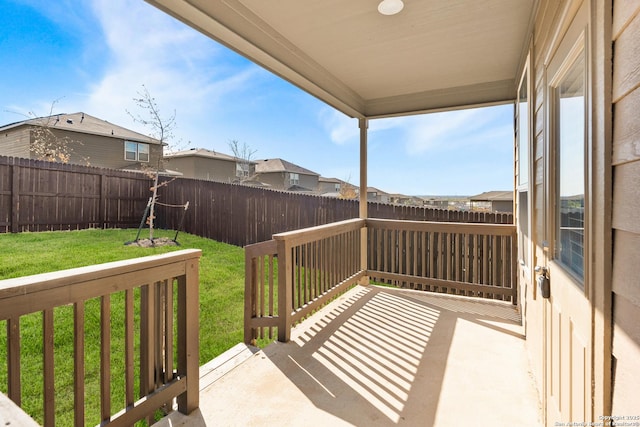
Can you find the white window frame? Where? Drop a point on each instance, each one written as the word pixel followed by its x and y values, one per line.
pixel 242 170
pixel 576 52
pixel 523 156
pixel 294 178
pixel 140 149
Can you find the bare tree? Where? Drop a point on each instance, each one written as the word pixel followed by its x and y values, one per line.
pixel 244 154
pixel 348 190
pixel 161 128
pixel 46 144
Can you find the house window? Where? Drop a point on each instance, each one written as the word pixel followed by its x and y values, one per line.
pixel 136 151
pixel 570 113
pixel 337 188
pixel 294 178
pixel 242 170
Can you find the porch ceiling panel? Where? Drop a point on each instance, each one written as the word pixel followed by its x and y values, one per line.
pixel 434 55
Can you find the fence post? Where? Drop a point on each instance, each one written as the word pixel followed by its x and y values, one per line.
pixel 250 283
pixel 15 198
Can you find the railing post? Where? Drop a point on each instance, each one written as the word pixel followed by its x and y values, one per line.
pixel 514 268
pixel 363 124
pixel 285 291
pixel 13 360
pixel 188 341
pixel 250 283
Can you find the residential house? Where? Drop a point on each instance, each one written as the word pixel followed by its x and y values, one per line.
pixel 403 199
pixel 329 186
pixel 210 165
pixel 283 175
pixel 567 66
pixel 436 202
pixel 495 201
pixel 333 187
pixel 91 141
pixel 376 195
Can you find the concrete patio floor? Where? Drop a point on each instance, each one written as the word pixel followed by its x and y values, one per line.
pixel 379 357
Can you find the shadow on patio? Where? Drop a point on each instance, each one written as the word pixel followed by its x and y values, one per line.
pixel 382 357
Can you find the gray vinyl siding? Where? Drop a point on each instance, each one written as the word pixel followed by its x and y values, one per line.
pixel 282 181
pixel 204 168
pixel 15 142
pixel 626 208
pixel 87 149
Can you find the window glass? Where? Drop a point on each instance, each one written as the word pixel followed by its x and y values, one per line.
pixel 130 151
pixel 570 186
pixel 143 152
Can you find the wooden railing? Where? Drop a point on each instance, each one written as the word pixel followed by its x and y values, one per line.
pixel 299 270
pixel 457 258
pixel 159 295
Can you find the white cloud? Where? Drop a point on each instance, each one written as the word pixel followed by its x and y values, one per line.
pixel 455 130
pixel 343 129
pixel 178 65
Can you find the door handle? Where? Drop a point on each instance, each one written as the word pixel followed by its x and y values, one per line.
pixel 543 281
pixel 541 270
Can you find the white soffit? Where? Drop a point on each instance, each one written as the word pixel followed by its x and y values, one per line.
pixel 434 55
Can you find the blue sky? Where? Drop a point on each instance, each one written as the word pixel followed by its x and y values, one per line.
pixel 95 55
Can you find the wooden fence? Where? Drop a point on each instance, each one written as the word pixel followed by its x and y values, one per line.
pixel 41 196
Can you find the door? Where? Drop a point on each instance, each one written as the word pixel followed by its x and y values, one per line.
pixel 567 311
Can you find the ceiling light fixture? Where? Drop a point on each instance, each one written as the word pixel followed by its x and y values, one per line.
pixel 390 7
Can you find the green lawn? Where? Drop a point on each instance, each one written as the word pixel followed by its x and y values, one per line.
pixel 221 308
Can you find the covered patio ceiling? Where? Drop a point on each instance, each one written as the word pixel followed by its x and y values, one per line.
pixel 433 55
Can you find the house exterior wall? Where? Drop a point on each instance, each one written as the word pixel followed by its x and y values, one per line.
pixel 104 151
pixel 502 206
pixel 281 181
pixel 95 150
pixel 275 179
pixel 327 187
pixel 309 181
pixel 626 207
pixel 205 168
pixel 15 142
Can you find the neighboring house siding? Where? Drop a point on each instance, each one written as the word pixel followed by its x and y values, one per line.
pixel 309 181
pixel 184 165
pixel 15 143
pixel 205 164
pixel 275 179
pixel 217 170
pixel 626 207
pixel 95 150
pixel 104 151
pixel 328 187
pixel 502 206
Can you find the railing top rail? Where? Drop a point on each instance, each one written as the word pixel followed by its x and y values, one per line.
pixel 311 234
pixel 446 227
pixel 261 248
pixel 110 274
